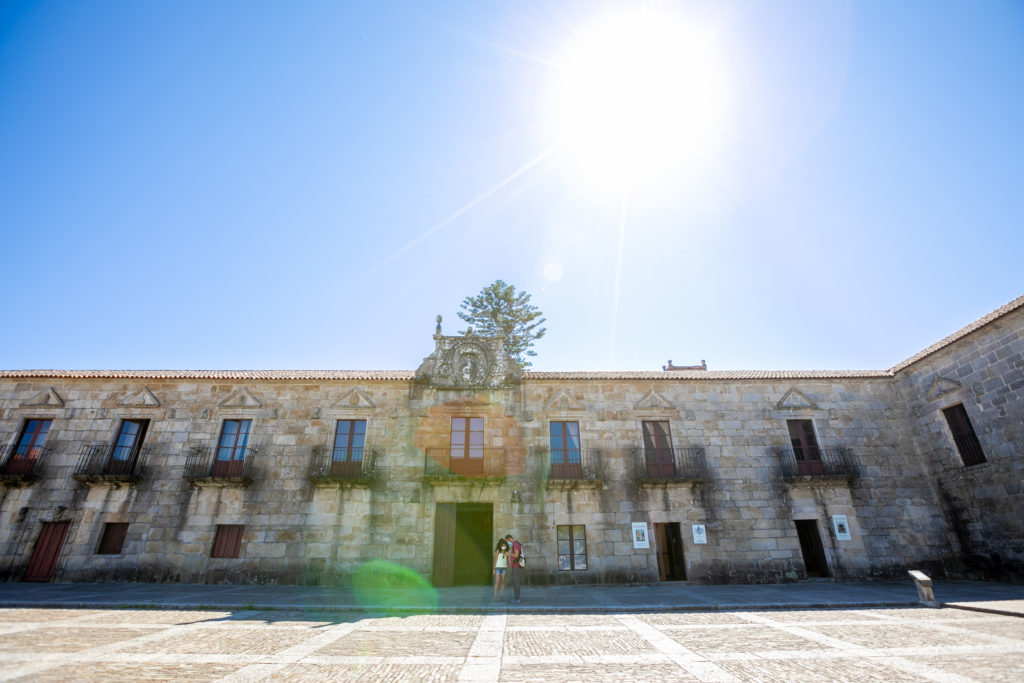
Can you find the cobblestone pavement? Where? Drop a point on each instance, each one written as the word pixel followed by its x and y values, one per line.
pixel 896 644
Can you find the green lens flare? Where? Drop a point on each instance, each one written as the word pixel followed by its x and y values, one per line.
pixel 384 585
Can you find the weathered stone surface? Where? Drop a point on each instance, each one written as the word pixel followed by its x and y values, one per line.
pixel 911 503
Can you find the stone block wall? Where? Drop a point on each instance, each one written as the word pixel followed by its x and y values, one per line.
pixel 984 372
pixel 911 504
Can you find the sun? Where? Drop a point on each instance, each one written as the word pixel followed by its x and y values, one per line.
pixel 640 94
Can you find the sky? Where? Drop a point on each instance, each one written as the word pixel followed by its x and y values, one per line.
pixel 306 185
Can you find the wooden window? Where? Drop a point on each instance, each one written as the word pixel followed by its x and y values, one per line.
pixel 966 440
pixel 467 437
pixel 112 539
pixel 228 540
pixel 572 547
pixel 231 448
pixel 564 439
pixel 126 446
pixel 28 447
pixel 805 447
pixel 658 455
pixel 349 440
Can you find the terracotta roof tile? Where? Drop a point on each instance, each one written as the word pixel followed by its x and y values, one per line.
pixel 710 374
pixel 406 375
pixel 216 374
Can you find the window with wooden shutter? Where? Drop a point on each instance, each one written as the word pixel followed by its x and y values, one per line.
pixel 112 540
pixel 966 440
pixel 227 542
pixel 658 455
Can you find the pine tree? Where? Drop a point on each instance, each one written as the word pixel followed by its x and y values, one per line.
pixel 500 311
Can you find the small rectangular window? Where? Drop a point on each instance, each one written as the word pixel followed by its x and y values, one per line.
pixel 112 539
pixel 227 542
pixel 572 547
pixel 966 440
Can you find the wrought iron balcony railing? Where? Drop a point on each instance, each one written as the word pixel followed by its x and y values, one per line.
pixel 446 463
pixel 574 465
pixel 670 464
pixel 23 464
pixel 822 462
pixel 237 465
pixel 328 463
pixel 99 462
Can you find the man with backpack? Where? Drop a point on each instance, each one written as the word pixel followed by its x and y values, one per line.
pixel 516 564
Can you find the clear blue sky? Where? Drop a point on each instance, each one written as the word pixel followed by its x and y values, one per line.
pixel 305 185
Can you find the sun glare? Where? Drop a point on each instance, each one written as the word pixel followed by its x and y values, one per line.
pixel 640 95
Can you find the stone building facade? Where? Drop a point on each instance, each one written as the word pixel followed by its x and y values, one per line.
pixel 698 475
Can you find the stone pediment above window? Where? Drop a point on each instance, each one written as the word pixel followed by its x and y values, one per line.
pixel 48 399
pixel 143 398
pixel 652 400
pixel 563 401
pixel 356 399
pixel 794 399
pixel 942 386
pixel 242 398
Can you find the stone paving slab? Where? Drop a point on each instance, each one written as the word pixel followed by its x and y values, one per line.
pixel 882 644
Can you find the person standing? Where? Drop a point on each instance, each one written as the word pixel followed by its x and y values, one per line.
pixel 500 568
pixel 515 566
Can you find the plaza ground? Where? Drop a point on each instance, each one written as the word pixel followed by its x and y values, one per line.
pixel 856 631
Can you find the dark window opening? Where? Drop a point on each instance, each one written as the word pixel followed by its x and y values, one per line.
pixel 227 542
pixel 966 440
pixel 112 540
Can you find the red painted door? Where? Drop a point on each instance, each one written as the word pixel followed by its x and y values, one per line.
pixel 47 551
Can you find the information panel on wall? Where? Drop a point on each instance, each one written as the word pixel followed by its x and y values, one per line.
pixel 640 538
pixel 841 527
